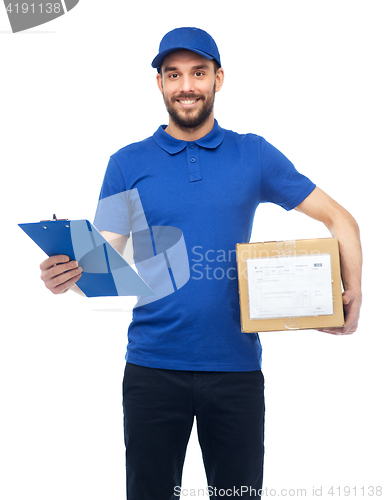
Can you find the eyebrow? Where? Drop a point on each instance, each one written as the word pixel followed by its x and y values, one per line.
pixel 174 68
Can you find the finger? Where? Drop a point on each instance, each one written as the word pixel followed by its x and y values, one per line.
pixel 345 330
pixel 58 269
pixel 63 277
pixel 59 273
pixel 348 298
pixel 51 261
pixel 66 285
pixel 333 332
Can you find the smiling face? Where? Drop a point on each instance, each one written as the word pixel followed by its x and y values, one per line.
pixel 188 83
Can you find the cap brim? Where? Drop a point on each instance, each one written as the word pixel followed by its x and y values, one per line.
pixel 156 63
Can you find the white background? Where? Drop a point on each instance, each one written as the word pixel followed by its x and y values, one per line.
pixel 305 75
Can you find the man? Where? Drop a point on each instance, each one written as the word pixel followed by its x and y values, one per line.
pixel 186 354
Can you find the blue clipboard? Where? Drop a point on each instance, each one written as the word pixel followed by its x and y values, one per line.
pixel 105 272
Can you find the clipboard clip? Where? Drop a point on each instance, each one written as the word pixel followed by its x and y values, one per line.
pixel 53 219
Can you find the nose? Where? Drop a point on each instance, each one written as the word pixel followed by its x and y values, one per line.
pixel 186 84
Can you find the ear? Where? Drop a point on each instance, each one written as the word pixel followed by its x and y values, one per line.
pixel 219 79
pixel 159 80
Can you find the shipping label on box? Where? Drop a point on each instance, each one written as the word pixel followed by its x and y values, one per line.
pixel 285 285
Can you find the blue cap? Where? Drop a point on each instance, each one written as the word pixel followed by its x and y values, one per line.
pixel 193 39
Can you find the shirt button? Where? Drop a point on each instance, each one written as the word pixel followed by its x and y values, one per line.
pixel 192 160
pixel 192 145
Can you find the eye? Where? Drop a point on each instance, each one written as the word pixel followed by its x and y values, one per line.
pixel 173 75
pixel 199 73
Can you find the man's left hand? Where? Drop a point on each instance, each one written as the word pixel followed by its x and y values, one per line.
pixel 352 304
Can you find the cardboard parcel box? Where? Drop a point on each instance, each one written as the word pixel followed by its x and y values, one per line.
pixel 289 285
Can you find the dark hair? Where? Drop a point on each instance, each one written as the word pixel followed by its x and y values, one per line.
pixel 216 65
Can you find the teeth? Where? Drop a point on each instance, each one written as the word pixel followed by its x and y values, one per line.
pixel 189 101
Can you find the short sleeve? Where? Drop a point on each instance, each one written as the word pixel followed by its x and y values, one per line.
pixel 281 183
pixel 113 208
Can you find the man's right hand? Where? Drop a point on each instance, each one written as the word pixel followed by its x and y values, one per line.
pixel 59 273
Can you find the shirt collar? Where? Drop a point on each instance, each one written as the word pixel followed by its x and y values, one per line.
pixel 172 145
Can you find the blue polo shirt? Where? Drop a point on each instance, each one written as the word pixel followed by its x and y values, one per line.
pixel 209 189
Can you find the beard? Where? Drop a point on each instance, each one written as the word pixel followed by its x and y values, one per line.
pixel 186 118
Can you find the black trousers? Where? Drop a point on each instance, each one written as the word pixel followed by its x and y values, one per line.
pixel 159 410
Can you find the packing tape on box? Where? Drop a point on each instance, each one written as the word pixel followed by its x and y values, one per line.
pixel 286 248
pixel 292 324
